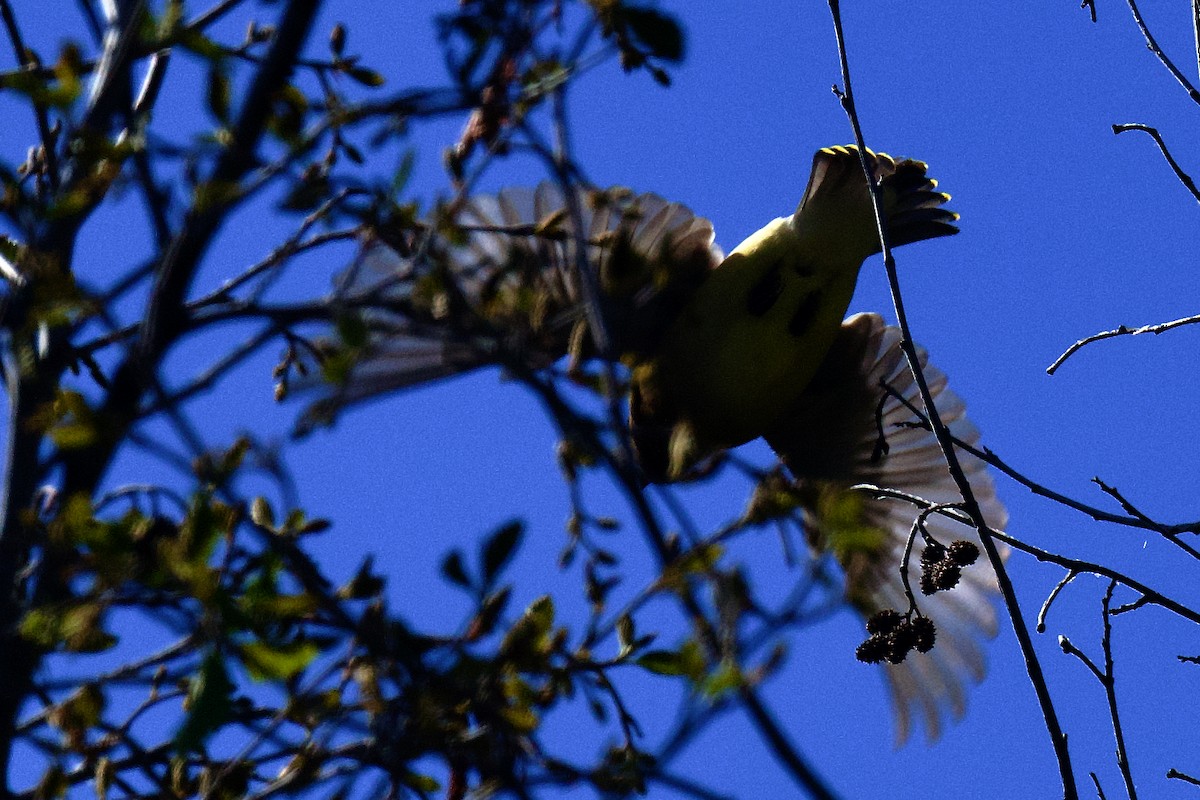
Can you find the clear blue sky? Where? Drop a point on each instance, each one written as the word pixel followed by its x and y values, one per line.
pixel 1066 230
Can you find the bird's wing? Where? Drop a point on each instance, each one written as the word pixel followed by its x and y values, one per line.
pixel 503 277
pixel 830 443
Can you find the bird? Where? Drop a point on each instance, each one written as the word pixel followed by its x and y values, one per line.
pixel 721 350
pixel 752 335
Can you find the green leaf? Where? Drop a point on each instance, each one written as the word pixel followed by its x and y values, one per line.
pixel 404 171
pixel 523 720
pixel 73 435
pixel 191 39
pixel 687 661
pixel 726 678
pixel 489 612
pixel 541 613
pixel 420 783
pixel 212 194
pixel 661 662
pixel 528 641
pixel 499 548
pixel 208 704
pixel 77 627
pixel 289 107
pixel 277 661
pixel 352 329
pixel 367 77
pixel 265 607
pixel 79 712
pixel 297 523
pixel 692 659
pixel 218 93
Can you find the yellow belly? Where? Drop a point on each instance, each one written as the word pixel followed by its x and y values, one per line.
pixel 751 338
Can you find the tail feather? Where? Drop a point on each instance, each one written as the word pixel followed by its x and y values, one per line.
pixel 838 200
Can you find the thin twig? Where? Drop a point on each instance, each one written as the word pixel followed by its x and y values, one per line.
pixel 1152 44
pixel 1107 680
pixel 213 14
pixel 1196 30
pixel 1032 664
pixel 1183 177
pixel 1045 556
pixel 157 201
pixel 1070 649
pixel 1041 619
pixel 630 482
pixel 1100 515
pixel 25 59
pixel 1122 330
pixel 1174 774
pixel 1110 693
pixel 1137 514
pixel 783 749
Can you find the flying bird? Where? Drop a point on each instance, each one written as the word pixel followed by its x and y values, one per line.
pixel 719 351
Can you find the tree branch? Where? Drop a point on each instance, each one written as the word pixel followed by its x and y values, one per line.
pixel 1122 330
pixel 1032 664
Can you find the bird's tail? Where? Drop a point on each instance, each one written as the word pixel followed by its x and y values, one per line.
pixel 837 199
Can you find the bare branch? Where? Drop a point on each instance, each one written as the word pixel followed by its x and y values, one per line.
pixel 1183 177
pixel 25 59
pixel 1107 680
pixel 1152 44
pixel 1196 29
pixel 1041 619
pixel 1066 562
pixel 1110 692
pixel 1174 774
pixel 1032 664
pixel 1122 330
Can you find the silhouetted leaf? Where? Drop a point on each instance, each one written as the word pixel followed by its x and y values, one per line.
pixel 657 32
pixel 454 570
pixel 208 704
pixel 499 548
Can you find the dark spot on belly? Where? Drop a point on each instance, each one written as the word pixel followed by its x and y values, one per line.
pixel 805 313
pixel 765 291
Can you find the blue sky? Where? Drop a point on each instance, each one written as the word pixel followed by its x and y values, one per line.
pixel 1066 230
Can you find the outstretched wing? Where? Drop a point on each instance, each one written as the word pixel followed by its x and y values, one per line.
pixel 499 277
pixel 831 443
